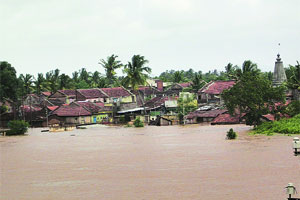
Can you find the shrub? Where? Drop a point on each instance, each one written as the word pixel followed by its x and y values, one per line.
pixel 231 135
pixel 138 122
pixel 17 127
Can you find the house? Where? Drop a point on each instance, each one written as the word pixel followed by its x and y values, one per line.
pixel 92 95
pixel 32 99
pixel 226 118
pixel 145 93
pixel 64 96
pixel 211 92
pixel 123 98
pixel 100 113
pixel 71 115
pixel 176 88
pixel 200 116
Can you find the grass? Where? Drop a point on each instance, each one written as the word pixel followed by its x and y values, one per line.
pixel 283 126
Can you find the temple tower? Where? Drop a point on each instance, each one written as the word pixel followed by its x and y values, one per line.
pixel 279 75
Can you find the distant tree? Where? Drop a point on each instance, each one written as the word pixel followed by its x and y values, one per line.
pixel 8 82
pixel 294 76
pixel 82 85
pixel 110 65
pixel 185 105
pixel 136 72
pixel 38 83
pixel 178 77
pixel 252 95
pixel 52 80
pixel 65 82
pixel 248 67
pixel 197 82
pixel 231 71
pixel 27 81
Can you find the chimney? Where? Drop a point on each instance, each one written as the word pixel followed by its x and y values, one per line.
pixel 159 85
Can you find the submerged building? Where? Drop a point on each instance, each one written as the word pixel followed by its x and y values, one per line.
pixel 279 75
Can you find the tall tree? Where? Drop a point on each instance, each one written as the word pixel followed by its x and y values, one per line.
pixel 8 82
pixel 294 76
pixel 38 83
pixel 110 65
pixel 254 96
pixel 27 81
pixel 178 77
pixel 65 82
pixel 136 72
pixel 247 67
pixel 197 82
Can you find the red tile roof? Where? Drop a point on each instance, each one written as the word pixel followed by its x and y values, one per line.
pixel 216 87
pixel 70 93
pixel 92 93
pixel 71 111
pixel 226 119
pixel 116 92
pixel 46 93
pixel 52 107
pixel 26 108
pixel 184 85
pixel 92 107
pixel 205 114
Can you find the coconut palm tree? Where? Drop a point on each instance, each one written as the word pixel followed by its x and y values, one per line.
pixel 178 77
pixel 27 81
pixel 197 82
pixel 39 83
pixel 110 65
pixel 248 67
pixel 136 72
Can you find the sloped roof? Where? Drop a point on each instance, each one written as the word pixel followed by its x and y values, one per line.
pixel 69 93
pixel 205 114
pixel 93 93
pixel 216 87
pixel 226 119
pixel 47 94
pixel 56 101
pixel 52 107
pixel 92 107
pixel 184 85
pixel 156 102
pixel 116 92
pixel 148 90
pixel 27 108
pixel 71 111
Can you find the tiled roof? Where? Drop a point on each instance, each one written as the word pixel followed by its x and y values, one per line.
pixel 69 93
pixel 71 111
pixel 148 90
pixel 52 107
pixel 205 114
pixel 226 119
pixel 47 94
pixel 216 87
pixel 184 85
pixel 92 93
pixel 92 107
pixel 116 92
pixel 56 101
pixel 26 108
pixel 156 102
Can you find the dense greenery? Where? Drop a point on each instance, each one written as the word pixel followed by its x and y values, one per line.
pixel 8 82
pixel 231 135
pixel 285 126
pixel 185 105
pixel 138 122
pixel 17 127
pixel 253 95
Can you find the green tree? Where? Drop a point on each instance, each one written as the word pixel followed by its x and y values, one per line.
pixel 178 77
pixel 185 105
pixel 247 67
pixel 293 76
pixel 136 72
pixel 38 83
pixel 27 81
pixel 253 95
pixel 8 82
pixel 110 65
pixel 65 82
pixel 197 82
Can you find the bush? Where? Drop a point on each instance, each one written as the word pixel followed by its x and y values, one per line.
pixel 231 135
pixel 285 126
pixel 17 127
pixel 138 122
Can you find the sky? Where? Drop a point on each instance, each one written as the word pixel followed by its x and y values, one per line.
pixel 38 36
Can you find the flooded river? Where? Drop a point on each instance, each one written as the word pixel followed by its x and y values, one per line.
pixel 175 162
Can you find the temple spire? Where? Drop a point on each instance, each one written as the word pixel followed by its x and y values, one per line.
pixel 279 75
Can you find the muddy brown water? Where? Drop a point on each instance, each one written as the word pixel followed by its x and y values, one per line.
pixel 175 162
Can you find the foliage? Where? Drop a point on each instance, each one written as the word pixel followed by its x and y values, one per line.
pixel 197 82
pixel 110 65
pixel 293 108
pixel 136 72
pixel 285 126
pixel 185 105
pixel 293 76
pixel 8 82
pixel 231 135
pixel 252 95
pixel 17 127
pixel 178 77
pixel 3 109
pixel 138 122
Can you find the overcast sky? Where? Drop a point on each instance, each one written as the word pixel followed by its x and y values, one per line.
pixel 38 36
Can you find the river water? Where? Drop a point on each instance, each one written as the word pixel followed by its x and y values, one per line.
pixel 174 162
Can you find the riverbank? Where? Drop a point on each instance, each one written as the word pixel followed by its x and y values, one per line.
pixel 173 162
